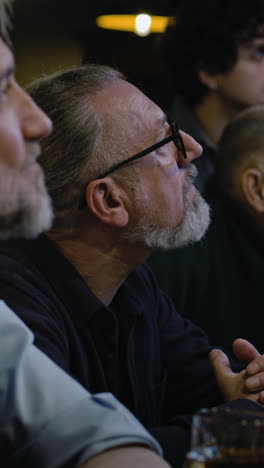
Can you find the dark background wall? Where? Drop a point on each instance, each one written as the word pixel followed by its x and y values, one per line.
pixel 52 35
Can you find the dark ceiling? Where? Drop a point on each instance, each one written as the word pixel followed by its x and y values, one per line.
pixel 137 57
pixel 79 15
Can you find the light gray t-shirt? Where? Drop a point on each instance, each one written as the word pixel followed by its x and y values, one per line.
pixel 48 420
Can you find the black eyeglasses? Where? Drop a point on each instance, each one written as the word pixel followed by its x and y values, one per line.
pixel 175 137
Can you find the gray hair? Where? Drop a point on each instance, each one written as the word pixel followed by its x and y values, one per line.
pixel 5 22
pixel 241 144
pixel 69 157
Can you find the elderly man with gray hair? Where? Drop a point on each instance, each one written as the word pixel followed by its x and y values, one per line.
pixel 121 180
pixel 46 418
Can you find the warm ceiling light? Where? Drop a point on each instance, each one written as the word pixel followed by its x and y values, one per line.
pixel 142 24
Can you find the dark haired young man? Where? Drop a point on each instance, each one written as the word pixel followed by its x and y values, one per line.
pixel 215 52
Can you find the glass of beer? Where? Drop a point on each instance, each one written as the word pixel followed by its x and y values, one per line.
pixel 225 437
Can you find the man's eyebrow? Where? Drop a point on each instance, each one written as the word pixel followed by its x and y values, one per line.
pixel 253 42
pixel 7 72
pixel 161 122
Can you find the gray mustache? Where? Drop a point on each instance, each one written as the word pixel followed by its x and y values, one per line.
pixel 33 151
pixel 192 172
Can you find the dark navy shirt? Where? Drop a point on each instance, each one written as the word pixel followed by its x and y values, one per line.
pixel 218 282
pixel 139 347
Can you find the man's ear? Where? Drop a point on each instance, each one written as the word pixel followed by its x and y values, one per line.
pixel 252 185
pixel 106 201
pixel 207 79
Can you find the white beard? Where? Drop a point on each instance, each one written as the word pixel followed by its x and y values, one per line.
pixel 193 227
pixel 25 207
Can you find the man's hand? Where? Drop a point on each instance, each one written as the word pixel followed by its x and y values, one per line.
pixel 245 351
pixel 248 383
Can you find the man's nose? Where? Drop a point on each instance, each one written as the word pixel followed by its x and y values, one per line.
pixel 35 123
pixel 192 147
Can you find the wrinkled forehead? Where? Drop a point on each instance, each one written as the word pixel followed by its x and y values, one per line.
pixel 128 106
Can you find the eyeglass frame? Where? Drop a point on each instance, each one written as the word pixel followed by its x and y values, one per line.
pixel 175 137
